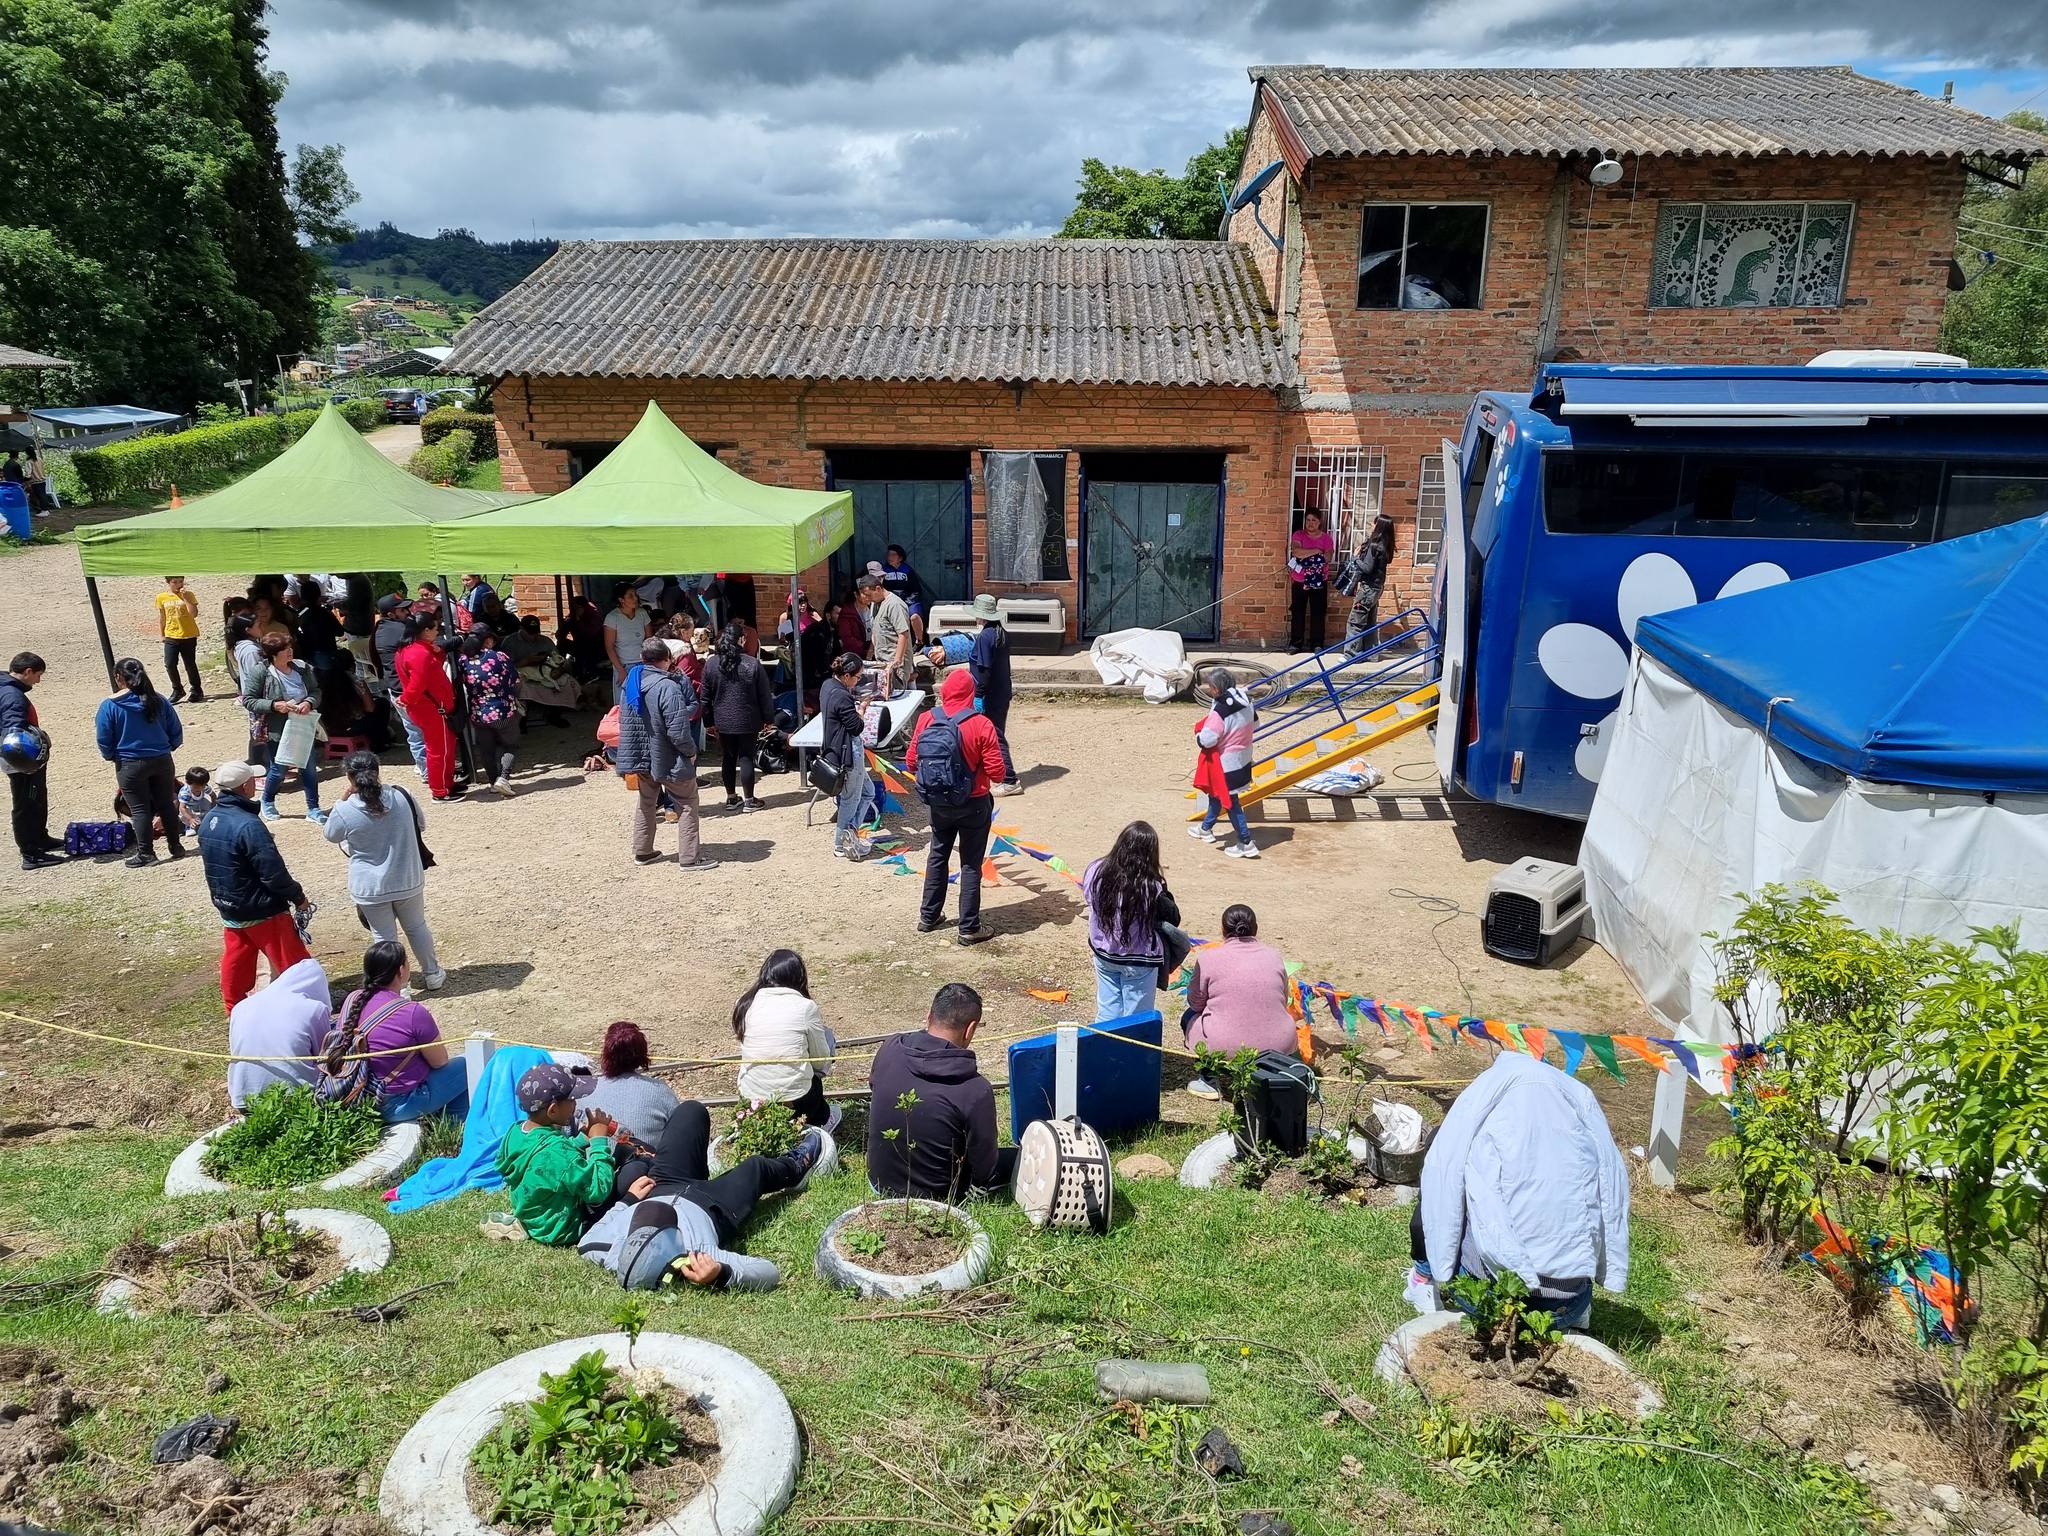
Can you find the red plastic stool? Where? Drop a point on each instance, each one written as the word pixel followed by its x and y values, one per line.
pixel 339 747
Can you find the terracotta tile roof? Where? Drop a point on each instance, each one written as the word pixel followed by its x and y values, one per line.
pixel 1831 111
pixel 1167 312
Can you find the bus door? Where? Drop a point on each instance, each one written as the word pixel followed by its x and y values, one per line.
pixel 1450 619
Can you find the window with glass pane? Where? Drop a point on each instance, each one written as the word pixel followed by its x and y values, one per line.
pixel 1422 256
pixel 1750 255
pixel 1981 497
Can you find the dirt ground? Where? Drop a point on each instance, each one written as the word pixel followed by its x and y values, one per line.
pixel 550 931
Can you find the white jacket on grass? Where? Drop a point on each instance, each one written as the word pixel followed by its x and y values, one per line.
pixel 783 1024
pixel 288 1018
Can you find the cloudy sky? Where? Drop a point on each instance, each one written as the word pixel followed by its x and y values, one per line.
pixel 951 117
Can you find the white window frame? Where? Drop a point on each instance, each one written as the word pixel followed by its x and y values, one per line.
pixel 1363 469
pixel 1408 207
pixel 1804 204
pixel 1430 484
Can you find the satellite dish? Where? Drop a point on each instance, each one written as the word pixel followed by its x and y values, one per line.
pixel 1606 172
pixel 1248 195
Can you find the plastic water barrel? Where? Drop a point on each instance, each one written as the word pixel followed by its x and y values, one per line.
pixel 14 508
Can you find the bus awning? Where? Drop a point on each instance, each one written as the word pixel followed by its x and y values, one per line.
pixel 1791 397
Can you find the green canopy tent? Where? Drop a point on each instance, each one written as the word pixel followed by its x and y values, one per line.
pixel 657 502
pixel 330 502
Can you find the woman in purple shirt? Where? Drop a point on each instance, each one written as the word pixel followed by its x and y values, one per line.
pixel 417 1081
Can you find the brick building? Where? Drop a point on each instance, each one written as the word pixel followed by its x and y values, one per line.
pixel 1133 426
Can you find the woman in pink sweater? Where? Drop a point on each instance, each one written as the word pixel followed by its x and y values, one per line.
pixel 1237 995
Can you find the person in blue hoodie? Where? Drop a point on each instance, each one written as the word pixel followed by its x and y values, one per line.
pixel 138 730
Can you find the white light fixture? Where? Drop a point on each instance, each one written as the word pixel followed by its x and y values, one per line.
pixel 1605 172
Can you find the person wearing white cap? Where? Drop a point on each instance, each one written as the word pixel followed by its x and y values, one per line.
pixel 251 888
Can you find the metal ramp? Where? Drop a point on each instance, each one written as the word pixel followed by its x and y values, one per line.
pixel 1361 733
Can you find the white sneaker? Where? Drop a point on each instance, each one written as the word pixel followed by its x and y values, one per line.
pixel 1243 850
pixel 1202 1088
pixel 504 788
pixel 1200 833
pixel 1008 788
pixel 435 982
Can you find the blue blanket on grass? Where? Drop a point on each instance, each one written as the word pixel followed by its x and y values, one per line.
pixel 493 1110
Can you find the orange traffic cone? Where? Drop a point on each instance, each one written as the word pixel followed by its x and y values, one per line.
pixel 176 499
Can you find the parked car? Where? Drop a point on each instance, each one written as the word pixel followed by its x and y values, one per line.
pixel 403 404
pixel 456 396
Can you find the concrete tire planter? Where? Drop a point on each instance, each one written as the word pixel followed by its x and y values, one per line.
pixel 377 1168
pixel 1204 1166
pixel 425 1490
pixel 362 1244
pixel 826 1165
pixel 1391 1366
pixel 850 1274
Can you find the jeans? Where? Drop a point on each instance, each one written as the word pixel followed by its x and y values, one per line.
pixel 681 1166
pixel 1306 611
pixel 736 756
pixel 186 651
pixel 1364 615
pixel 497 743
pixel 646 811
pixel 309 776
pixel 415 743
pixel 30 793
pixel 276 939
pixel 150 786
pixel 1244 829
pixel 410 913
pixel 854 796
pixel 969 827
pixel 446 1087
pixel 1123 990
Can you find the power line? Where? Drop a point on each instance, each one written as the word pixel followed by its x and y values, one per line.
pixel 1980 222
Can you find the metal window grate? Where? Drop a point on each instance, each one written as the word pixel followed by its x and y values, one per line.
pixel 1346 485
pixel 1429 510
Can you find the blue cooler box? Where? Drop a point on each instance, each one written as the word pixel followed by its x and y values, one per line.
pixel 1118 1084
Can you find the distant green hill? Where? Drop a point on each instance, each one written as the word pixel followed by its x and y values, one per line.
pixel 452 266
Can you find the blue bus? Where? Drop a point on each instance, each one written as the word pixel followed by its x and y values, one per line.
pixel 1613 491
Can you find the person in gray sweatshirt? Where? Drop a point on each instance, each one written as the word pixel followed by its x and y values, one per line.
pixel 658 711
pixel 381 830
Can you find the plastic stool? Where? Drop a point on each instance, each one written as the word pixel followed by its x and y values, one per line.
pixel 339 747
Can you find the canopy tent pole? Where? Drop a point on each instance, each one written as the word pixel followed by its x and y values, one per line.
pixel 561 600
pixel 451 653
pixel 99 621
pixel 796 657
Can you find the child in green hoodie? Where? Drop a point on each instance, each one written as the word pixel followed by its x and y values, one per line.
pixel 558 1182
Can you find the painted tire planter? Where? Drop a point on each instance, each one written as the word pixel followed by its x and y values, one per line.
pixel 425 1492
pixel 380 1166
pixel 826 1165
pixel 1204 1167
pixel 363 1246
pixel 850 1274
pixel 1391 1366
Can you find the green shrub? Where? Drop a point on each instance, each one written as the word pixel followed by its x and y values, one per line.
pixel 143 464
pixel 443 419
pixel 444 462
pixel 763 1130
pixel 287 1137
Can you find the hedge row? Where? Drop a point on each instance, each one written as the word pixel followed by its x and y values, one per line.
pixel 153 463
pixel 444 462
pixel 481 425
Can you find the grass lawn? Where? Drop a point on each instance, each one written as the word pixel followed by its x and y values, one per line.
pixel 483 475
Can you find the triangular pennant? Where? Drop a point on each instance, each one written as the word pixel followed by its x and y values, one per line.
pixel 1347 1015
pixel 989 874
pixel 1641 1047
pixel 1536 1038
pixel 1004 831
pixel 891 806
pixel 1573 1044
pixel 1686 1059
pixel 1498 1033
pixel 1048 995
pixel 1002 845
pixel 1602 1047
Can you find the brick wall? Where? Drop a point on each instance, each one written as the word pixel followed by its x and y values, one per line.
pixel 778 433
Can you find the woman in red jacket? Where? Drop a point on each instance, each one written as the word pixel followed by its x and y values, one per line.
pixel 428 698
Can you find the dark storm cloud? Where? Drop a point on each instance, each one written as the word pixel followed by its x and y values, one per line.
pixel 926 116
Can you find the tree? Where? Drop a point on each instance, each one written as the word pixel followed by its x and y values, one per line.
pixel 1118 202
pixel 322 194
pixel 2001 319
pixel 150 242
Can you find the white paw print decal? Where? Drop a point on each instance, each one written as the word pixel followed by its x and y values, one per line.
pixel 1585 661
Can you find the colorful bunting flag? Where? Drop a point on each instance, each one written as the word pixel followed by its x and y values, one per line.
pixel 1602 1047
pixel 1641 1047
pixel 1047 996
pixel 988 872
pixel 1686 1058
pixel 1574 1046
pixel 1535 1038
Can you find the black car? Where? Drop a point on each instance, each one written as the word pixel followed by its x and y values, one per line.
pixel 407 405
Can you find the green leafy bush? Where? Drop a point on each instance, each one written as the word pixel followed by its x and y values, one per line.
pixel 565 1463
pixel 288 1137
pixel 155 463
pixel 444 462
pixel 763 1130
pixel 481 425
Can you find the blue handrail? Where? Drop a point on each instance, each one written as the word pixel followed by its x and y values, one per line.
pixel 1339 676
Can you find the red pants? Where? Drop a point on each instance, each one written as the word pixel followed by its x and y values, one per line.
pixel 276 939
pixel 440 743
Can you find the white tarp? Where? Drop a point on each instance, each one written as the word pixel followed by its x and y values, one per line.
pixel 1154 659
pixel 1695 809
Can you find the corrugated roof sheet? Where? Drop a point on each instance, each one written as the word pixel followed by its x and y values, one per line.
pixel 1829 111
pixel 16 357
pixel 1045 311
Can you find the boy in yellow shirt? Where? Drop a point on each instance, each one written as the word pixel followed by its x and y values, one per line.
pixel 177 616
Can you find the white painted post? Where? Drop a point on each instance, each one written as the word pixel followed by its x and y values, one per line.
pixel 1066 1071
pixel 1667 1125
pixel 477 1052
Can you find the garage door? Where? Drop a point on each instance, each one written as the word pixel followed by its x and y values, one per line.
pixel 1153 527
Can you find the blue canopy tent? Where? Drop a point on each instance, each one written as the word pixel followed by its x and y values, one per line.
pixel 1881 729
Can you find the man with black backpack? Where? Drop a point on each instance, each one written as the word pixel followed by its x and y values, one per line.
pixel 955 754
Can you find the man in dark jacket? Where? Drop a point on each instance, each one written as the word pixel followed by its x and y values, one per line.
pixel 251 889
pixel 990 664
pixel 844 724
pixel 30 788
pixel 980 761
pixel 658 712
pixel 932 1122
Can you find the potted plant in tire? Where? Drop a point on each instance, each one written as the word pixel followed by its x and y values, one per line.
pixel 904 1246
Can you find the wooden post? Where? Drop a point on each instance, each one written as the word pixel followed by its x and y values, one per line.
pixel 1066 1071
pixel 477 1052
pixel 1667 1125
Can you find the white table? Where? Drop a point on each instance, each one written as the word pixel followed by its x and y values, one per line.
pixel 902 710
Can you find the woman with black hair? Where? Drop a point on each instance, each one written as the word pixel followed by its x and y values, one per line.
pixel 1127 901
pixel 138 730
pixel 418 1077
pixel 785 1049
pixel 1363 578
pixel 1237 995
pixel 737 699
pixel 380 829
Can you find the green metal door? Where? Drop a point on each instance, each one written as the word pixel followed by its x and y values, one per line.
pixel 1151 557
pixel 927 517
